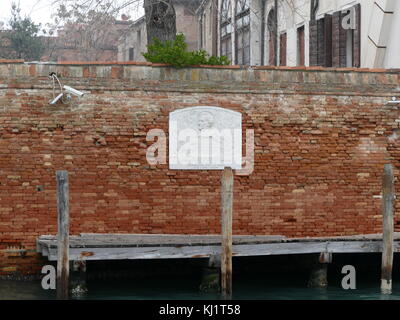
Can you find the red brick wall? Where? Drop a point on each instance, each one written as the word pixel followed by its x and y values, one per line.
pixel 321 141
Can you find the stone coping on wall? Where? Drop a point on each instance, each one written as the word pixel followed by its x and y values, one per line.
pixel 241 67
pixel 125 76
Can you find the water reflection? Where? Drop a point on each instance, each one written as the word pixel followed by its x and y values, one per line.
pixel 23 290
pixel 187 288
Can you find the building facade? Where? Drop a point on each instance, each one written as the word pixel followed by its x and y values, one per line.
pixel 329 33
pixel 82 43
pixel 134 41
pixel 75 42
pixel 208 23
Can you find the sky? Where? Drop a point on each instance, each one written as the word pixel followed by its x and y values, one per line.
pixel 39 10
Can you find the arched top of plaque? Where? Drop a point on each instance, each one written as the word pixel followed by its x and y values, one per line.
pixel 205 138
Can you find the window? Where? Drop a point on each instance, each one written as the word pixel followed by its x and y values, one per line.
pixel 320 42
pixel 282 49
pixel 139 37
pixel 332 46
pixel 204 30
pixel 357 38
pixel 210 15
pixel 300 46
pixel 226 29
pixel 242 19
pixel 349 48
pixel 131 54
pixel 201 35
pixel 271 37
pixel 346 44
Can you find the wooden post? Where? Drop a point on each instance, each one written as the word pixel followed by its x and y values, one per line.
pixel 77 281
pixel 211 279
pixel 226 222
pixel 62 235
pixel 387 213
pixel 319 272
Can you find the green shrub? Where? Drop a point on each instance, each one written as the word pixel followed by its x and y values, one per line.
pixel 176 53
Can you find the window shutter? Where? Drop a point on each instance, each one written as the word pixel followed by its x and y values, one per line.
pixel 271 45
pixel 335 39
pixel 313 43
pixel 342 43
pixel 328 40
pixel 301 40
pixel 357 38
pixel 283 48
pixel 321 42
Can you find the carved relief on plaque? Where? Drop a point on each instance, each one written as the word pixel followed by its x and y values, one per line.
pixel 205 138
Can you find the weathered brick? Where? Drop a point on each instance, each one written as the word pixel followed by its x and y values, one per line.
pixel 320 148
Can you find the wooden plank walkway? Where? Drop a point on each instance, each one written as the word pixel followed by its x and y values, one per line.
pixel 148 246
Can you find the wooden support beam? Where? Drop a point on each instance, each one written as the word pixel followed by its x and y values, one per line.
pixel 121 250
pixel 388 196
pixel 63 234
pixel 226 222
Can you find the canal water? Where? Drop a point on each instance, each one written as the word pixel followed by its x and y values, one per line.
pixel 255 279
pixel 186 290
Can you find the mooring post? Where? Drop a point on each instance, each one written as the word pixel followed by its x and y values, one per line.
pixel 77 281
pixel 319 272
pixel 63 234
pixel 226 222
pixel 388 196
pixel 211 281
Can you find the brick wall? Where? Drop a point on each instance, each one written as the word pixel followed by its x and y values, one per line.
pixel 322 137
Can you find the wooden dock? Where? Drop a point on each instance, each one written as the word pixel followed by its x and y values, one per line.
pixel 148 246
pixel 64 247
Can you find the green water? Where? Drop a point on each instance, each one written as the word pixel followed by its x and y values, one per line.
pixel 187 289
pixel 265 278
pixel 243 290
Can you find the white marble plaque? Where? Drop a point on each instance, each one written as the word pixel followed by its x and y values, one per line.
pixel 205 138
